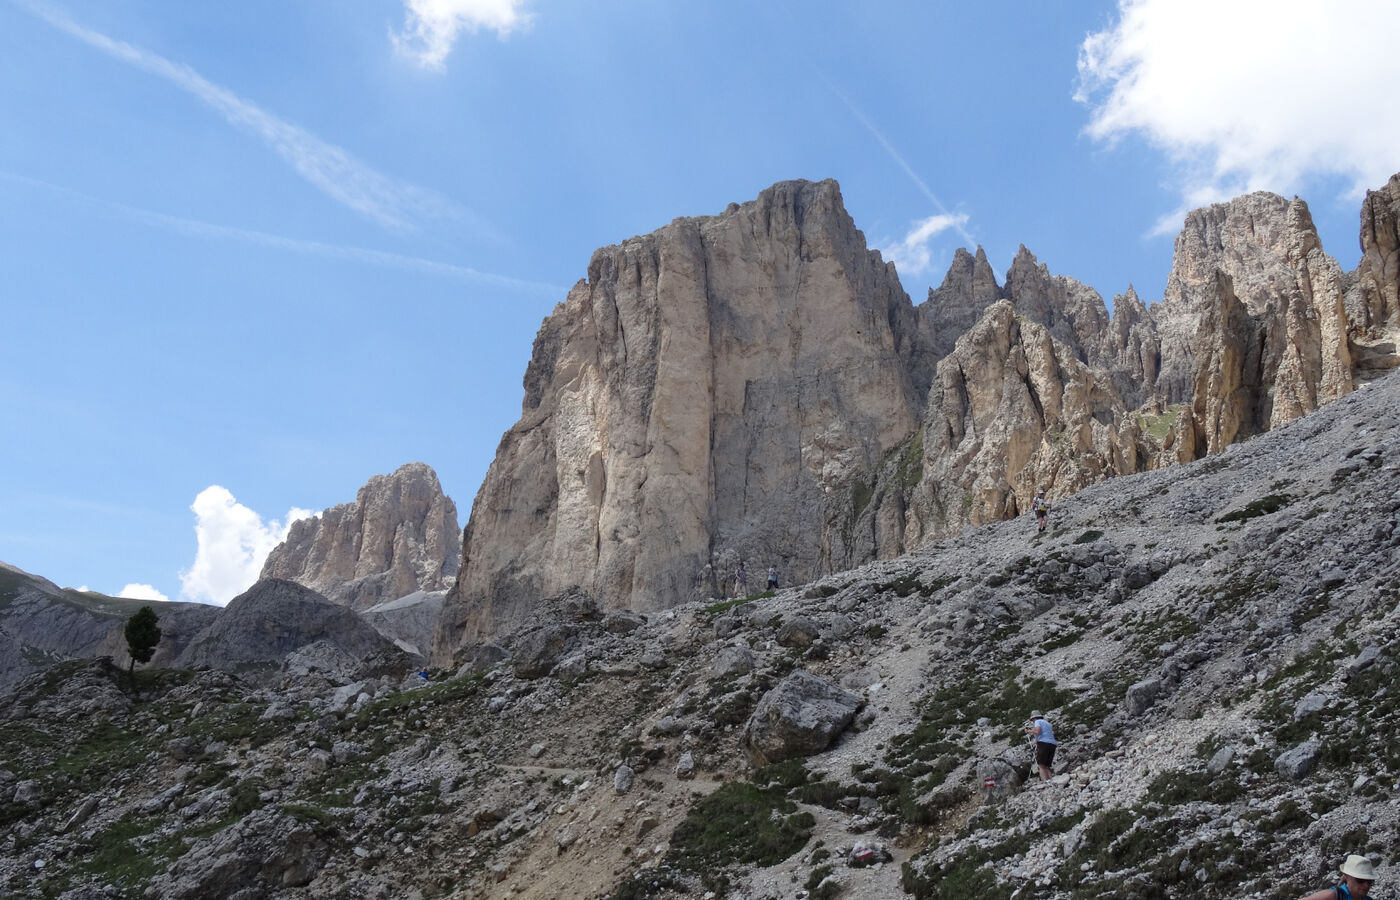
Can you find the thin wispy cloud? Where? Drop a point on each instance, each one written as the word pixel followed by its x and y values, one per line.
pixel 958 221
pixel 1293 89
pixel 432 27
pixel 913 255
pixel 362 255
pixel 380 198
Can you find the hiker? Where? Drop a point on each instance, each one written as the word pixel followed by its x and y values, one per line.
pixel 1357 877
pixel 741 581
pixel 772 578
pixel 1042 510
pixel 1042 735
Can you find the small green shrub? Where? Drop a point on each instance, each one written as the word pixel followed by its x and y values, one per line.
pixel 738 823
pixel 1269 503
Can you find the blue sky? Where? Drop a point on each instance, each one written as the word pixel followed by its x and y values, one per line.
pixel 253 254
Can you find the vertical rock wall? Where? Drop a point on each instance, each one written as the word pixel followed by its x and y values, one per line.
pixel 756 385
pixel 707 395
pixel 399 536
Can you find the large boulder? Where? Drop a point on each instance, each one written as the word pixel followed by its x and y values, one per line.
pixel 802 715
pixel 262 855
pixel 536 651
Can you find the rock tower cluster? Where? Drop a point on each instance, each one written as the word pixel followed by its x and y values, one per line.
pixel 757 386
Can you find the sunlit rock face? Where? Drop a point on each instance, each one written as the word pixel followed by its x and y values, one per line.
pixel 1252 327
pixel 707 395
pixel 1373 300
pixel 398 537
pixel 756 385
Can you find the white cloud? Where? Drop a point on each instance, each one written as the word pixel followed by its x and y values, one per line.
pixel 142 592
pixel 1250 94
pixel 431 27
pixel 232 544
pixel 329 168
pixel 912 255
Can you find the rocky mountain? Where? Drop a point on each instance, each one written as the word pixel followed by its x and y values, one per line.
pixel 41 624
pixel 1216 644
pixel 756 386
pixel 706 396
pixel 398 537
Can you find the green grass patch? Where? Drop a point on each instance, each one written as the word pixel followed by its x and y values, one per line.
pixel 739 823
pixel 1269 503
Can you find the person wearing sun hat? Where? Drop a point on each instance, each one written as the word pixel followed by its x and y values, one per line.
pixel 1043 737
pixel 1357 877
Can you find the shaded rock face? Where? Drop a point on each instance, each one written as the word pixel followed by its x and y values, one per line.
pixel 409 621
pixel 399 536
pixel 41 623
pixel 955 306
pixel 1373 302
pixel 707 395
pixel 274 619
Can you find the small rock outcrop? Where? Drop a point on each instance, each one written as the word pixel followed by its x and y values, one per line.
pixel 398 537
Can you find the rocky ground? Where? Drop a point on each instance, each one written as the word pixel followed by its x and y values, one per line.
pixel 1215 643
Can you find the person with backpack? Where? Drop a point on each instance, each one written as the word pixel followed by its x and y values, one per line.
pixel 1041 507
pixel 1042 737
pixel 741 581
pixel 772 578
pixel 1357 877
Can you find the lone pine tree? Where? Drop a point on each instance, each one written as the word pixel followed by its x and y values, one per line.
pixel 142 636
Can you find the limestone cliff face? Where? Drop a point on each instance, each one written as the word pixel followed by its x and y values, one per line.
pixel 756 385
pixel 1373 303
pixel 1251 290
pixel 399 536
pixel 955 306
pixel 707 395
pixel 1072 312
pixel 1131 350
pixel 1013 409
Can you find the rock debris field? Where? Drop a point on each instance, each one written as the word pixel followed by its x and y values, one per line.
pixel 1215 643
